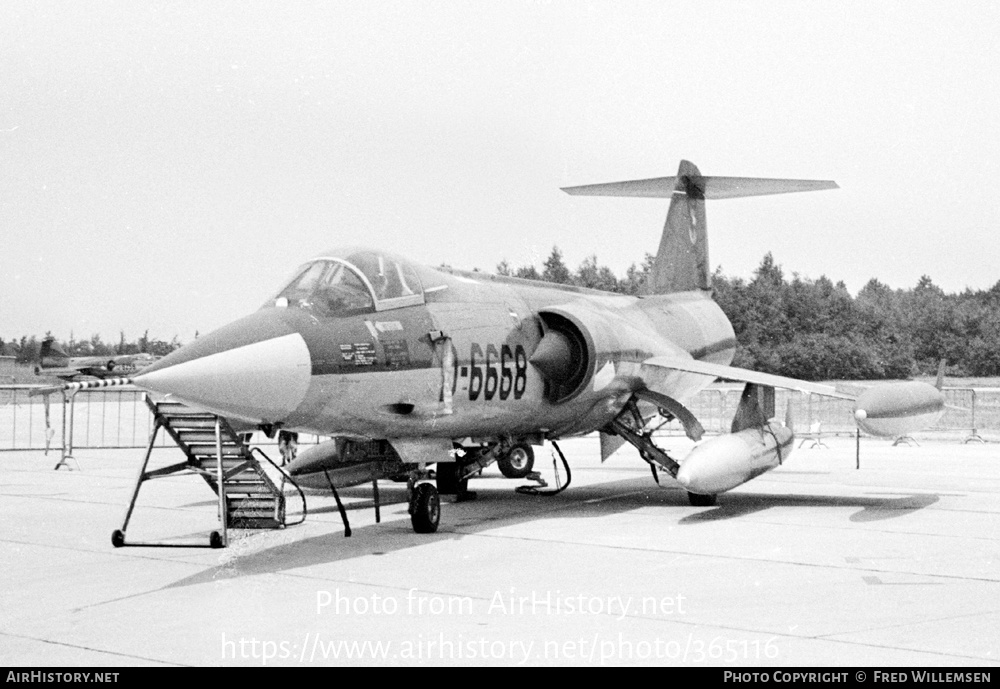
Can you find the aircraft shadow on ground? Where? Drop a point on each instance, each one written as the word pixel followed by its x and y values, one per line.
pixel 872 509
pixel 495 509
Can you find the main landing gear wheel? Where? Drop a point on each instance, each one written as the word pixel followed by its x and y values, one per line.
pixel 215 539
pixel 425 508
pixel 518 462
pixel 699 500
pixel 118 538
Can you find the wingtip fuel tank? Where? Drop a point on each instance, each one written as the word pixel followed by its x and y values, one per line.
pixel 895 409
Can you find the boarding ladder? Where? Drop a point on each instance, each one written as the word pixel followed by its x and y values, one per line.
pixel 248 498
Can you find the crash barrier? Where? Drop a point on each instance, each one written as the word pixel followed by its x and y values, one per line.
pixel 100 418
pixel 970 411
pixel 117 417
pixel 715 407
pixel 105 418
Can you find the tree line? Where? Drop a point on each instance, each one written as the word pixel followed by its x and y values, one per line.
pixel 26 349
pixel 815 329
pixel 800 327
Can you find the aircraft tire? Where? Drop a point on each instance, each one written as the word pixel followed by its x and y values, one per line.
pixel 215 539
pixel 426 510
pixel 699 500
pixel 518 462
pixel 118 538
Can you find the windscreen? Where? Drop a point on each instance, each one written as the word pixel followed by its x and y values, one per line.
pixel 328 288
pixel 391 278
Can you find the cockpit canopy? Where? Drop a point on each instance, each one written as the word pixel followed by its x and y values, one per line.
pixel 352 281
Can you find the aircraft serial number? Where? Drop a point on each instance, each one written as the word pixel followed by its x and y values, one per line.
pixel 495 373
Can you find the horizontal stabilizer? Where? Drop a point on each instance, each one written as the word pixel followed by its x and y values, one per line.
pixel 744 375
pixel 681 263
pixel 53 372
pixel 711 187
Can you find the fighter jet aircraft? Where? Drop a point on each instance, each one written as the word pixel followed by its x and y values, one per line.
pixel 409 367
pixel 53 361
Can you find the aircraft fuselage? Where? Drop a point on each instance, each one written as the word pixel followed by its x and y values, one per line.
pixel 457 365
pixel 381 375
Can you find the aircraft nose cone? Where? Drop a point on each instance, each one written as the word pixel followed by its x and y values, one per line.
pixel 256 369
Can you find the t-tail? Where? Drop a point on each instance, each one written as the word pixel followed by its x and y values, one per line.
pixel 51 355
pixel 681 263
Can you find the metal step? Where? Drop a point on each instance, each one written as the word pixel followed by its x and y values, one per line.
pixel 228 450
pixel 254 523
pixel 208 465
pixel 239 491
pixel 203 436
pixel 261 512
pixel 185 423
pixel 178 409
pixel 255 501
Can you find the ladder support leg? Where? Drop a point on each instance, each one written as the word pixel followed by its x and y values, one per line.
pixel 140 477
pixel 221 483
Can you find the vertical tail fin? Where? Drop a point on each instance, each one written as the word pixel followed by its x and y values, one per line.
pixel 681 263
pixel 51 355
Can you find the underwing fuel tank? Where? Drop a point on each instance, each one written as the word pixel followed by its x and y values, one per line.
pixel 896 409
pixel 344 463
pixel 325 455
pixel 727 461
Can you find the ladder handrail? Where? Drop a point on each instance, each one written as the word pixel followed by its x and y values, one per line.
pixel 287 478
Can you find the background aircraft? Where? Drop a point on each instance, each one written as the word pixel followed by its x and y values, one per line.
pixel 410 367
pixel 53 361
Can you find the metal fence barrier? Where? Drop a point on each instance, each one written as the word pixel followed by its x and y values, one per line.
pixel 118 417
pixel 715 406
pixel 101 418
pixel 112 418
pixel 971 414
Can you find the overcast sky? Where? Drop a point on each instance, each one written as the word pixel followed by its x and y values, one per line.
pixel 165 166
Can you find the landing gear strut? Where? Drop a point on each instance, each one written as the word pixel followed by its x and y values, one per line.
pixel 451 480
pixel 631 426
